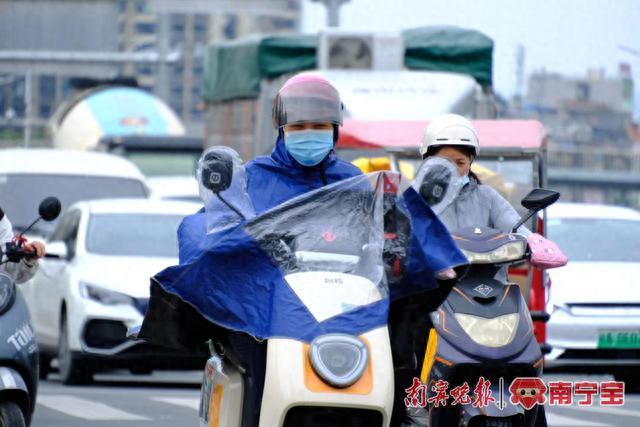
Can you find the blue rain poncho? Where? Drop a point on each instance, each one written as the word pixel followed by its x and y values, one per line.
pixel 310 266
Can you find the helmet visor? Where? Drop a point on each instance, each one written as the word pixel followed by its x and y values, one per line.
pixel 317 102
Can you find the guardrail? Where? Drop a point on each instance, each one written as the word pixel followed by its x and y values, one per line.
pixel 595 159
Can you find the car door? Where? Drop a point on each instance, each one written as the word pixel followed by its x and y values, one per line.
pixel 54 278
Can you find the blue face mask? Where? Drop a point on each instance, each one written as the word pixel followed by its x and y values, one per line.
pixel 309 147
pixel 465 180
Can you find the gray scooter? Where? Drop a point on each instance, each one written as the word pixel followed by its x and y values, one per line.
pixel 18 347
pixel 484 329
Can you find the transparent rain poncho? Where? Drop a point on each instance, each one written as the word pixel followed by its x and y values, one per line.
pixel 310 266
pixel 223 188
pixel 438 182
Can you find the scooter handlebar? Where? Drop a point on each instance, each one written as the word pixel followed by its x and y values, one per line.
pixel 16 253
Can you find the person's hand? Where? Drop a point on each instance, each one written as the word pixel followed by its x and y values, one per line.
pixel 35 247
pixel 448 274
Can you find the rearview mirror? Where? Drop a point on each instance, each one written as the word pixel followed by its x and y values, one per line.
pixel 217 171
pixel 539 199
pixel 49 208
pixel 535 201
pixel 57 250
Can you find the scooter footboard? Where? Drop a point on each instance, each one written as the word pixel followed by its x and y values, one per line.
pixel 294 391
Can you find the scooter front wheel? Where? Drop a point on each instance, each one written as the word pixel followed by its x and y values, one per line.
pixel 11 415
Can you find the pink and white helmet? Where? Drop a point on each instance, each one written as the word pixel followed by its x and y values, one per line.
pixel 307 97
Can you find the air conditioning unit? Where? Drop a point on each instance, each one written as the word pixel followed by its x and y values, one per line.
pixel 360 50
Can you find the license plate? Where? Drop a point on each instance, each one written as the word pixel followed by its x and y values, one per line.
pixel 619 339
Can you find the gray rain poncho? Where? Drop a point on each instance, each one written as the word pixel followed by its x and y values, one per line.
pixel 469 205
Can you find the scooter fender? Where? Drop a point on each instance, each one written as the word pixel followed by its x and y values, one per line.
pixel 469 412
pixel 11 380
pixel 13 387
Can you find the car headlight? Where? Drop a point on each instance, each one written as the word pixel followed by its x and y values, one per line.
pixel 510 252
pixel 339 359
pixel 7 292
pixel 496 332
pixel 103 295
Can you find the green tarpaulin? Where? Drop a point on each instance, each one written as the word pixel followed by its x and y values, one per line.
pixel 449 49
pixel 234 70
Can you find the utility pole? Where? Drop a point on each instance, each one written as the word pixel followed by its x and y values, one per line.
pixel 28 102
pixel 333 11
pixel 162 82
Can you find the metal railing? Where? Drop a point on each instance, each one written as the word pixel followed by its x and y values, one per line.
pixel 618 159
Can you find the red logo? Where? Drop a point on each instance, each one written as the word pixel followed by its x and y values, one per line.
pixel 528 392
pixel 134 121
pixel 329 236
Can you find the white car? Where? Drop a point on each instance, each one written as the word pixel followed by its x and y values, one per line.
pixel 595 299
pixel 183 188
pixel 84 301
pixel 29 175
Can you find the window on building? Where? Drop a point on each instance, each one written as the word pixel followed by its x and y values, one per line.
pixel 145 27
pixel 283 23
pixel 144 69
pixel 231 27
pixel 177 23
pixel 141 6
pixel 583 91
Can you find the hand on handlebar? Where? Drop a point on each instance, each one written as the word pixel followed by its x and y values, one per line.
pixel 35 249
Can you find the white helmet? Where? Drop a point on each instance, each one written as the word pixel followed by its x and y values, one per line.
pixel 450 129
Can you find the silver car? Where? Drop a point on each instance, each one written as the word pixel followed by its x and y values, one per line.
pixel 595 300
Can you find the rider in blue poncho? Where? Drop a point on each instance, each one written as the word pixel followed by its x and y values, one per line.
pixel 307 113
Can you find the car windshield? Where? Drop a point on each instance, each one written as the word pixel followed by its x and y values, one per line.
pixel 20 194
pixel 149 235
pixel 596 239
pixel 164 163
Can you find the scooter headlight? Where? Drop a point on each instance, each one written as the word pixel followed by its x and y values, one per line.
pixel 7 292
pixel 510 252
pixel 339 359
pixel 496 332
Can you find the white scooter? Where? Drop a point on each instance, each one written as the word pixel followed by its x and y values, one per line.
pixel 337 379
pixel 309 275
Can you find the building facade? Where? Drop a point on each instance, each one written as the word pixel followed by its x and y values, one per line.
pixel 593 156
pixel 133 27
pixel 188 34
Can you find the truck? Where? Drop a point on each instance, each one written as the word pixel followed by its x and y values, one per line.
pixel 413 75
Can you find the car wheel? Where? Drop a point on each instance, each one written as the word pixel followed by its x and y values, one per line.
pixel 44 366
pixel 73 370
pixel 11 415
